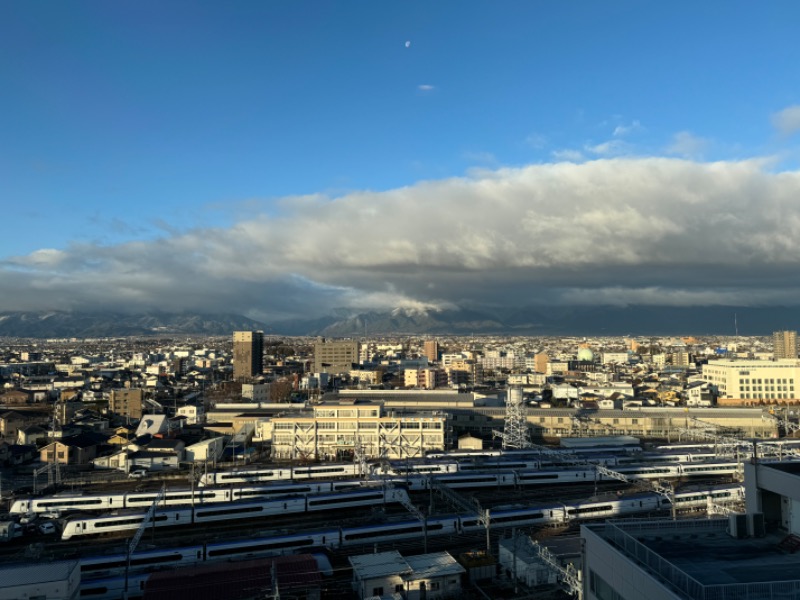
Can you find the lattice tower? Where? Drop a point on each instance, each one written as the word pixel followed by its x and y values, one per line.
pixel 515 428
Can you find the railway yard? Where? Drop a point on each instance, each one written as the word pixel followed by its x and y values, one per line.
pixel 415 507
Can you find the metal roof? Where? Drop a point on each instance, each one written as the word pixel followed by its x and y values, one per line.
pixel 32 574
pixel 435 564
pixel 380 564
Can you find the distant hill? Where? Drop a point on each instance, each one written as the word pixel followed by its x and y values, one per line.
pixel 561 320
pixel 555 320
pixel 58 324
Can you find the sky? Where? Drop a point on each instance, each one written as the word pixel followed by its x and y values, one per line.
pixel 282 159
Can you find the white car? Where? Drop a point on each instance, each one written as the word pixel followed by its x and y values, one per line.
pixel 47 528
pixel 138 474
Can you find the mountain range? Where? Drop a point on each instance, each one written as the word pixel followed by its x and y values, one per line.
pixel 564 320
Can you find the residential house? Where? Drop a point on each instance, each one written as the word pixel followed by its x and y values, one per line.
pixel 76 450
pixel 30 434
pixel 15 398
pixel 10 424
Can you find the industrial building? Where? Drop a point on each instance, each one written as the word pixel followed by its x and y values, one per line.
pixel 747 556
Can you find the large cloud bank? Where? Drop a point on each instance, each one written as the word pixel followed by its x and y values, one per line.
pixel 635 230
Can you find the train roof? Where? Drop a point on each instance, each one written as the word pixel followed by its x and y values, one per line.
pixel 595 442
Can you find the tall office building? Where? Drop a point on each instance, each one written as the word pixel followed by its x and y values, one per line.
pixel 784 344
pixel 335 357
pixel 248 354
pixel 432 350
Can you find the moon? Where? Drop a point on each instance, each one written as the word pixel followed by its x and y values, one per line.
pixel 408 44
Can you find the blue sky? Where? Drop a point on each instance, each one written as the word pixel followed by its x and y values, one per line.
pixel 157 133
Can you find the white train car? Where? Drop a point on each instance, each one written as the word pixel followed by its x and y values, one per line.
pixel 117 500
pixel 403 530
pixel 284 474
pixel 100 566
pixel 93 570
pixel 80 526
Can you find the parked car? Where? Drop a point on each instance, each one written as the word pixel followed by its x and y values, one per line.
pixel 47 528
pixel 138 474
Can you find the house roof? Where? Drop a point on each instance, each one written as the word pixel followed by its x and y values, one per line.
pixel 151 424
pixel 379 564
pixel 435 564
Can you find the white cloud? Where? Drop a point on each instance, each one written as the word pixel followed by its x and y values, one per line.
pixel 787 121
pixel 687 145
pixel 567 154
pixel 608 148
pixel 426 87
pixel 647 230
pixel 622 130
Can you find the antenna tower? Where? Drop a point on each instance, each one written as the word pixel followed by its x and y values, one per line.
pixel 515 428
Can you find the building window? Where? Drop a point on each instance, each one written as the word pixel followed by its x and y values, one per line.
pixel 378 591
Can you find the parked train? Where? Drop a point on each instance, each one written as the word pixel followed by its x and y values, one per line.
pixel 533 453
pixel 415 481
pixel 60 503
pixel 97 573
pixel 197 515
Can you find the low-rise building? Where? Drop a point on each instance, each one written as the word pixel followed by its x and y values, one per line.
pixel 47 580
pixel 389 574
pixel 745 555
pixel 332 431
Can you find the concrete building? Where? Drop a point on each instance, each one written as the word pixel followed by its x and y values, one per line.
pixel 464 372
pixel 784 344
pixel 256 392
pixel 767 381
pixel 335 356
pixel 747 556
pixel 424 576
pixel 427 378
pixel 331 432
pixel 46 581
pixel 432 350
pixel 248 354
pixel 127 403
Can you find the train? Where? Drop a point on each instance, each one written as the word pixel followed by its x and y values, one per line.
pixel 90 525
pixel 672 462
pixel 101 576
pixel 323 471
pixel 60 503
pixel 534 453
pixel 414 480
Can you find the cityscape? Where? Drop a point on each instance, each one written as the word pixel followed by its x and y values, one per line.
pixel 452 300
pixel 454 465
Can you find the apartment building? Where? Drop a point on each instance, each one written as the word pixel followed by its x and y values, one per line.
pixel 784 344
pixel 335 356
pixel 248 354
